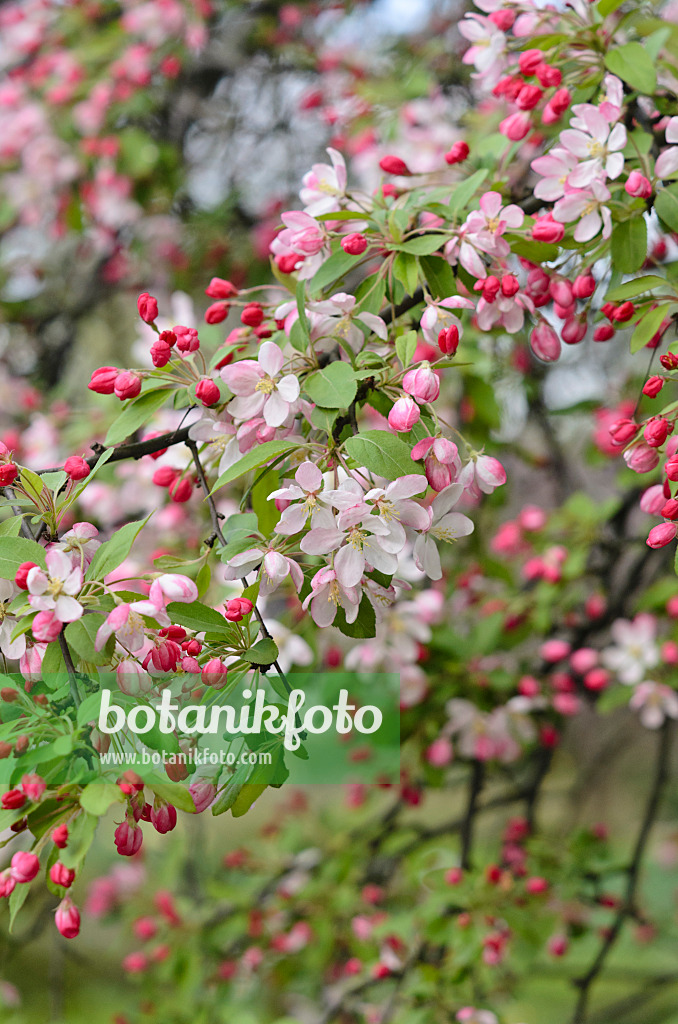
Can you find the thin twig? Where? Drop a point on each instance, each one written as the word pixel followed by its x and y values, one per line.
pixel 628 908
pixel 475 786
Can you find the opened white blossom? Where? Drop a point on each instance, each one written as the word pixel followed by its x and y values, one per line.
pixel 443 525
pixel 258 387
pixel 55 589
pixel 634 650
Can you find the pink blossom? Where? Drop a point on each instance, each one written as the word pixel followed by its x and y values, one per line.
pixel 482 474
pixel 587 208
pixel 656 702
pixel 443 525
pixel 592 142
pixel 554 168
pixel 442 463
pixel 327 595
pixel 304 495
pixel 437 318
pixel 53 590
pixel 404 414
pixel 324 186
pixel 258 389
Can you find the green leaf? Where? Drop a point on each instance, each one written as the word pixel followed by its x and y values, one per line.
pixel 666 206
pixel 17 898
pixel 439 276
pixel 422 245
pixel 256 457
pixel 174 793
pixel 465 192
pixel 633 64
pixel 301 310
pixel 264 652
pixel 606 7
pixel 636 287
pixel 365 625
pixel 332 270
pixel 231 790
pixel 81 637
pixel 14 551
pixel 114 551
pixel 405 347
pixel 11 527
pixel 382 453
pixel 333 387
pixel 97 797
pixel 198 617
pixel 406 270
pixel 648 326
pixel 89 709
pixel 628 245
pixel 136 413
pixel 154 739
pixel 82 829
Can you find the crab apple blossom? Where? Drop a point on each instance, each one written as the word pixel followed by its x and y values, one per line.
pixel 324 186
pixel 441 461
pixel 304 497
pixel 259 389
pixel 404 414
pixel 53 589
pixel 327 595
pixel 444 524
pixel 67 919
pixel 24 867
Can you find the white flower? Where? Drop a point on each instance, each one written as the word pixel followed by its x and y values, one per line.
pixel 444 525
pixel 258 389
pixel 54 590
pixel 634 651
pixel 655 703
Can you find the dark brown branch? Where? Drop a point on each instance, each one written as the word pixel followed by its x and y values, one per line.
pixel 133 450
pixel 476 782
pixel 628 907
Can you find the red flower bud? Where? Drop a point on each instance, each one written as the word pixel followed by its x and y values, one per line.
pixel 653 386
pixel 180 490
pixel 218 288
pixel 128 839
pixel 670 509
pixel 623 312
pixel 8 474
pixel 76 467
pixel 161 353
pixel 103 380
pixel 22 574
pixel 127 385
pixel 207 392
pixel 252 315
pixel 457 153
pixel 60 836
pixel 217 312
pixel 67 918
pixel 163 817
pixel 394 165
pixel 61 875
pixel 603 333
pixel 529 61
pixel 164 476
pixel 548 76
pixel 354 244
pixel 148 307
pixel 584 286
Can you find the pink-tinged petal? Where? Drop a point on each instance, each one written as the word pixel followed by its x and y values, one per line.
pixel 242 378
pixel 588 227
pixel 288 388
pixel 270 358
pixel 292 521
pixel 276 410
pixel 349 565
pixel 67 609
pixel 339 165
pixel 104 631
pixel 321 541
pixel 426 557
pixel 14 649
pixel 667 162
pixel 513 216
pixel 382 561
pixel 576 142
pixel 59 564
pixel 296 574
pixel 549 189
pixel 490 204
pixel 671 132
pixel 614 165
pixel 617 139
pixel 451 526
pixel 571 207
pixel 406 486
pixel 375 323
pixel 275 566
pixel 447 499
pixel 291 493
pixel 471 261
pixel 73 583
pixel 584 174
pixel 323 609
pixel 309 476
pixel 414 515
pixel 421 448
pixel 350 602
pixel 37 581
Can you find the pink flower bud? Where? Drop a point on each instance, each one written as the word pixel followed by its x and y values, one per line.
pixel 203 794
pixel 394 165
pixel 561 292
pixel 8 474
pixel 217 312
pixel 33 786
pixel 440 753
pixel 24 867
pixel 7 883
pixel 180 490
pixel 516 126
pixel 252 315
pixel 529 61
pixel 127 385
pixel 669 509
pixel 21 574
pixel 46 627
pixel 135 963
pixel 404 414
pixel 422 383
pixel 584 286
pixel 76 467
pixel 536 886
pixel 448 340
pixel 148 307
pixel 660 536
pixel 207 392
pixel 103 380
pixel 558 945
pixel 603 333
pixel 545 343
pixel 641 458
pixel 671 468
pixel 574 330
pixel 457 153
pixel 187 338
pixel 67 918
pixel 657 430
pixel 548 76
pixel 354 244
pixel 546 229
pixel 218 288
pixel 161 353
pixel 128 839
pixel 61 875
pixel 653 386
pixel 638 185
pixel 163 817
pixel 555 650
pixel 60 836
pixel 528 97
pixel 215 674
